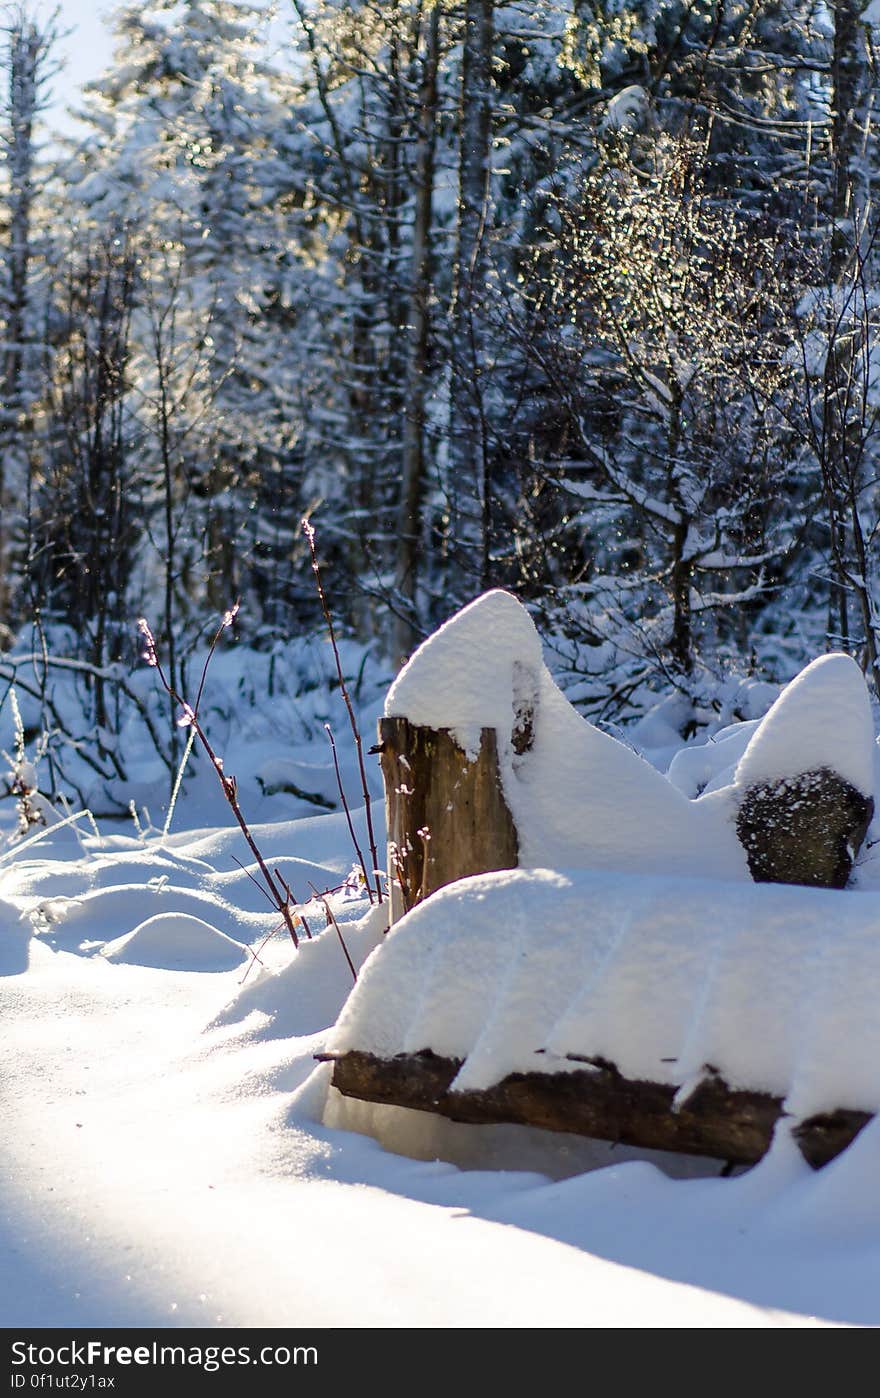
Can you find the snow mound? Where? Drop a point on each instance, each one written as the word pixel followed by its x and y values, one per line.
pixel 579 798
pixel 773 985
pixel 307 994
pixel 177 942
pixel 711 765
pixel 822 719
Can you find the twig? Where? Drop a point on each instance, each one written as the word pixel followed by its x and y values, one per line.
pixel 290 898
pixel 255 955
pixel 425 836
pixel 178 782
pixel 41 835
pixel 345 807
pixel 309 532
pixel 256 882
pixel 190 718
pixel 398 860
pixel 331 916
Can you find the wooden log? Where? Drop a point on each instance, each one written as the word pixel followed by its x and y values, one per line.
pixel 733 1125
pixel 447 817
pixel 804 829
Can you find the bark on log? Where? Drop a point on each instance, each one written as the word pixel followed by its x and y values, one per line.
pixel 595 1100
pixel 804 829
pixel 447 817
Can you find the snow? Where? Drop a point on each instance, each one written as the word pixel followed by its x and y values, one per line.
pixel 164 1164
pixel 822 719
pixel 626 111
pixel 531 971
pixel 173 1155
pixel 463 675
pixel 711 765
pixel 579 797
pixel 177 941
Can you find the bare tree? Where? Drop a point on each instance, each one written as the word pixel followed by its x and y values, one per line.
pixel 412 481
pixel 29 65
pixel 468 447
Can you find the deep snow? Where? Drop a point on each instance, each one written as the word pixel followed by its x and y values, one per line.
pixel 171 1152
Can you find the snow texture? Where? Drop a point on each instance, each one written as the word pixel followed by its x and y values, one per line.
pixel 822 719
pixel 582 799
pixel 627 111
pixel 177 941
pixel 579 798
pixel 173 1157
pixel 518 972
pixel 711 765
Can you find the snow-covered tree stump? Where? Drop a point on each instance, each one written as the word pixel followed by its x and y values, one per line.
pixel 446 812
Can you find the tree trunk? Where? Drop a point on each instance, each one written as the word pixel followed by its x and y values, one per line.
pixel 409 517
pixel 468 485
pixel 849 61
pixel 26 51
pixel 844 426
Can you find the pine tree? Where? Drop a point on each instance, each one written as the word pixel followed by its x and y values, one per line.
pixel 192 123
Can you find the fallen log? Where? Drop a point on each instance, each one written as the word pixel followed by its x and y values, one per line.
pixel 595 1099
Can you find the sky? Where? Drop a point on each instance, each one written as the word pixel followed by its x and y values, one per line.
pixel 85 51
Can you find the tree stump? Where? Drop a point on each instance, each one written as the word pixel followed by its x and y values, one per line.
pixel 446 812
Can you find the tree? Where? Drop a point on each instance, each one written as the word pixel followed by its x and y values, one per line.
pixel 663 345
pixel 192 122
pixel 29 64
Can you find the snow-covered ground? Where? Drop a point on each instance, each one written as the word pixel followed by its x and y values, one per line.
pixel 172 1154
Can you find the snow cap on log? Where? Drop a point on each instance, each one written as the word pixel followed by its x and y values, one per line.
pixel 578 797
pixel 806 779
pixel 822 719
pixel 531 971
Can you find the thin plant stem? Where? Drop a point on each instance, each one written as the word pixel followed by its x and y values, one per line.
pixel 178 781
pixel 228 783
pixel 331 917
pixel 309 532
pixel 286 886
pixel 345 807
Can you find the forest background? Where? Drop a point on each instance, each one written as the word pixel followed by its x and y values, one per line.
pixel 576 299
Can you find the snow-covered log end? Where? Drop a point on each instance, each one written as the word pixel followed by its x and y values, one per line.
pixel 469 674
pixel 806 779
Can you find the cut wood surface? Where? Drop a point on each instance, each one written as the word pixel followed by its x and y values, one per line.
pixel 595 1100
pixel 446 813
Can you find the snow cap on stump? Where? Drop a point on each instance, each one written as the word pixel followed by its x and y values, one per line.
pixel 807 778
pixel 578 798
pixel 464 675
